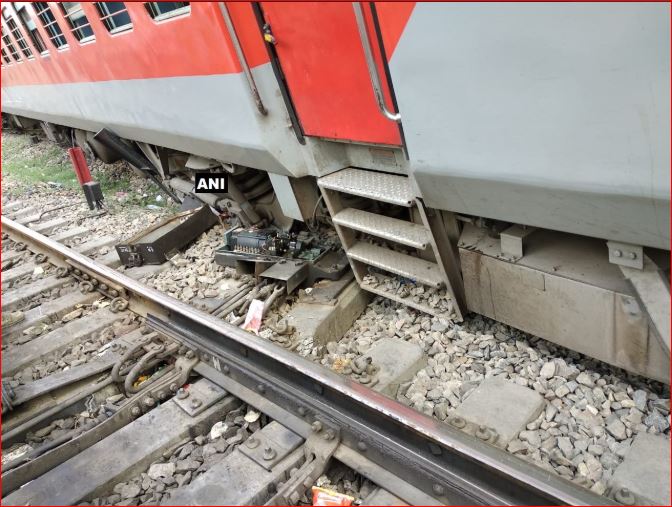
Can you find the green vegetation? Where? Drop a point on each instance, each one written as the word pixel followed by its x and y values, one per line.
pixel 27 163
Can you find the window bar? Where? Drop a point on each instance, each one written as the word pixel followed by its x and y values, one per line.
pixel 5 56
pixel 33 33
pixel 18 36
pixel 52 28
pixel 78 30
pixel 107 17
pixel 10 45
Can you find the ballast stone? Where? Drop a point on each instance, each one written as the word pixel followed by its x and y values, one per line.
pixel 645 471
pixel 399 361
pixel 503 406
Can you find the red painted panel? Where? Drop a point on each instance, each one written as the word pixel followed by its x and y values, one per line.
pixel 188 45
pixel 323 61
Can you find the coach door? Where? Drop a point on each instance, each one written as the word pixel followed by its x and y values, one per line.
pixel 322 57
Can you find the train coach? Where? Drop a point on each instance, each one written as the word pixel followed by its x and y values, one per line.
pixel 512 158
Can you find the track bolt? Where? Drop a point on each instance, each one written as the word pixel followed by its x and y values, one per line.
pixel 118 304
pixel 173 387
pixel 226 370
pixel 457 421
pixel 114 293
pixel 317 426
pixel 149 402
pixel 86 287
pixel 135 411
pixel 361 446
pixel 195 403
pixel 103 286
pixel 624 496
pixel 252 443
pixel 302 411
pixel 329 434
pixel 190 354
pixel 182 394
pixel 261 388
pixel 162 395
pixel 269 453
pixel 618 253
pixel 483 433
pixel 438 489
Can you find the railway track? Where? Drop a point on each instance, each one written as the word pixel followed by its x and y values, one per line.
pixel 143 404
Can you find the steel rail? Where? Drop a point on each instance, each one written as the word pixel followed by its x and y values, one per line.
pixel 442 461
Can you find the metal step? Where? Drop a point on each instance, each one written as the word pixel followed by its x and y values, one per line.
pixel 404 265
pixel 385 187
pixel 393 229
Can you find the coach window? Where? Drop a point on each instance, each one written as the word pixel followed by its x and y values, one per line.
pixel 50 25
pixel 163 10
pixel 10 45
pixel 16 33
pixel 30 28
pixel 5 57
pixel 79 23
pixel 114 16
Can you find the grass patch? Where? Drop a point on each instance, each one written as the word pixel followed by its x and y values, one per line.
pixel 27 163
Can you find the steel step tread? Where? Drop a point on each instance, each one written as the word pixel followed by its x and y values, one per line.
pixel 385 187
pixel 392 229
pixel 401 264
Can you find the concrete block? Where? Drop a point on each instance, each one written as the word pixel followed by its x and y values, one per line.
pixel 645 471
pixel 502 406
pixel 398 361
pixel 19 357
pixel 325 322
pixel 124 453
pixel 48 312
pixel 243 477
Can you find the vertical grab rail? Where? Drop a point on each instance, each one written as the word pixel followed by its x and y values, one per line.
pixel 241 58
pixel 371 64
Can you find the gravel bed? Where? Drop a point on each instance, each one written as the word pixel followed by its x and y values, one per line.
pixel 593 410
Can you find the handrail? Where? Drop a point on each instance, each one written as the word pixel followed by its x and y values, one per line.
pixel 371 64
pixel 241 58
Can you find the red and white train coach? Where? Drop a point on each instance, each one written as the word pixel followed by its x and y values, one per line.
pixel 500 119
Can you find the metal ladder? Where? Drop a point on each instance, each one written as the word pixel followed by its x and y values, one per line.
pixel 435 262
